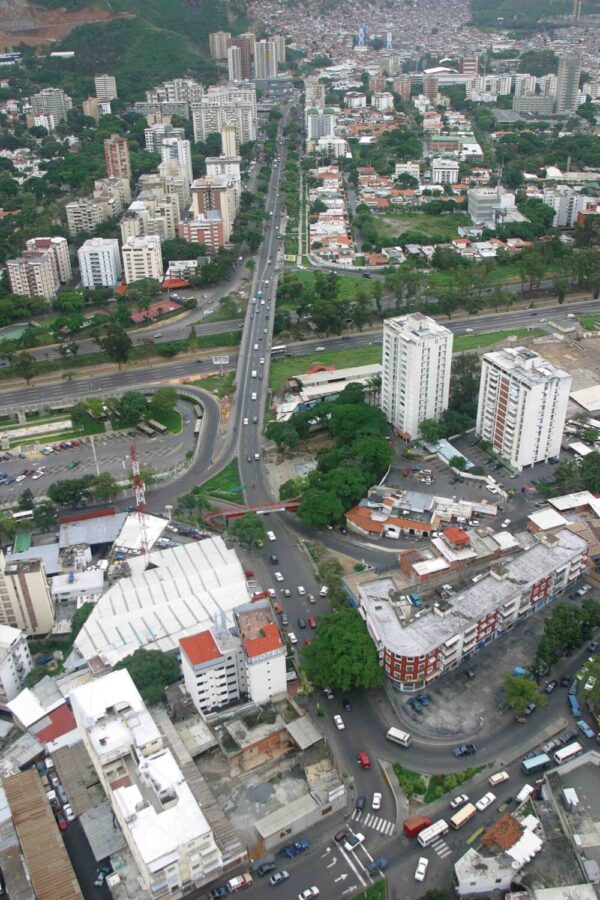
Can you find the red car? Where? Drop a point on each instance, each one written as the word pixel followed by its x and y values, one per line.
pixel 75 443
pixel 312 622
pixel 61 822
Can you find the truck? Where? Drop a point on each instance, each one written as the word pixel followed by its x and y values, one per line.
pixel 525 793
pixel 522 673
pixel 414 825
pixel 239 882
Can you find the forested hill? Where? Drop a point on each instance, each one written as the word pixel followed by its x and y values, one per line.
pixel 524 13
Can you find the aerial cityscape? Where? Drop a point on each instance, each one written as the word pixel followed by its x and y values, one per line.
pixel 300 449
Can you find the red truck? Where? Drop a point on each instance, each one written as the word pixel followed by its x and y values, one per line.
pixel 416 824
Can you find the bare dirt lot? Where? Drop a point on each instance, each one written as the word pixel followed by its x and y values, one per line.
pixel 23 22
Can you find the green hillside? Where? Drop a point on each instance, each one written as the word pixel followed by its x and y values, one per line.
pixel 528 14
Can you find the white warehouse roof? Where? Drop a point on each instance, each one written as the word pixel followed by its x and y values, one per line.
pixel 187 589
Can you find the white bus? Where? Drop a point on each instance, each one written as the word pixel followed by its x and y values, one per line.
pixel 429 835
pixel 463 816
pixel 23 515
pixel 399 737
pixel 566 753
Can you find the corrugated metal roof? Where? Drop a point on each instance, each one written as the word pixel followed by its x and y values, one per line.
pixel 52 874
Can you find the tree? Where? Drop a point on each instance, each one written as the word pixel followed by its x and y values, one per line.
pixel 248 529
pixel 116 343
pixel 24 365
pixel 132 406
pixel 591 435
pixel 320 507
pixel 561 285
pixel 342 654
pixel 26 499
pixel 105 486
pixel 458 462
pixel 563 633
pixel 164 400
pixel 44 515
pixel 431 430
pixel 292 488
pixel 151 672
pixel 520 691
pixel 80 618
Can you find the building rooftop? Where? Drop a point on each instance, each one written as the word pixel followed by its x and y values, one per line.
pixel 200 648
pixel 9 636
pixel 258 629
pixel 47 553
pixel 546 518
pixel 88 580
pixel 99 530
pixel 526 365
pixel 415 327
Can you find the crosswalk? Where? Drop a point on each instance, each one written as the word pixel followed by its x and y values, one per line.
pixel 378 823
pixel 441 848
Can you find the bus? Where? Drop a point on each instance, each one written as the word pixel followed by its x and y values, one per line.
pixel 399 737
pixel 156 426
pixel 535 764
pixel 431 834
pixel 566 753
pixel 145 430
pixel 23 515
pixel 575 707
pixel 463 816
pixel 279 350
pixel 197 426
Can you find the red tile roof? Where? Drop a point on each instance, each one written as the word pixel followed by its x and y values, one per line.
pixel 271 641
pixel 61 721
pixel 200 648
pixel 457 536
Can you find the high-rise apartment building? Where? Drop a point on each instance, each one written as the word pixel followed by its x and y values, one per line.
pixel 279 41
pixel 415 384
pixel 156 134
pixel 100 262
pixel 525 84
pixel 402 86
pixel 142 258
pixel 180 151
pixel 206 229
pixel 114 191
pixel 51 102
pixel 156 810
pixel 25 598
pixel 314 91
pixel 229 166
pixel 178 90
pixel 95 108
pixel 265 59
pixel 469 65
pixel 548 85
pixel 430 88
pixel 567 84
pixel 59 248
pixel 234 64
pixel 216 192
pixel 106 87
pixel 227 104
pixel 246 43
pixel 116 157
pixel 229 145
pixel 152 213
pixel 33 274
pixel 320 123
pixel 15 663
pixel 218 42
pixel 522 406
pixel 86 213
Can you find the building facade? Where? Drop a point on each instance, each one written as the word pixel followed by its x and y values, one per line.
pixel 106 87
pixel 522 405
pixel 116 157
pixel 567 84
pixel 415 383
pixel 160 131
pixel 227 104
pixel 444 171
pixel 83 215
pixel 265 59
pixel 206 229
pixel 51 102
pixel 142 258
pixel 15 662
pixel 100 262
pixel 33 274
pixel 320 123
pixel 59 249
pixel 180 151
pixel 25 598
pixel 234 64
pixel 216 192
pixel 218 42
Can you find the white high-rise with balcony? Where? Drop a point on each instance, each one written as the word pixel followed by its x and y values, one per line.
pixel 522 405
pixel 100 262
pixel 142 258
pixel 415 384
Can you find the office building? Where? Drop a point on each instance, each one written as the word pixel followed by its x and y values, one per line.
pixel 15 663
pixel 116 157
pixel 181 152
pixel 522 406
pixel 142 258
pixel 228 104
pixel 156 811
pixel 159 132
pixel 218 42
pixel 85 214
pixel 219 193
pixel 246 43
pixel 33 274
pixel 234 64
pixel 100 262
pixel 106 87
pixel 567 84
pixel 229 144
pixel 488 205
pixel 417 357
pixel 206 229
pixel 51 102
pixel 221 668
pixel 444 170
pixel 59 248
pixel 265 59
pixel 25 598
pixel 320 123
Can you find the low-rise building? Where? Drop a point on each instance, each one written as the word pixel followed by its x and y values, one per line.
pixel 15 662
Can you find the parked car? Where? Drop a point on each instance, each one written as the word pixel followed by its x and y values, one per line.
pixel 339 723
pixel 265 868
pixel 340 836
pixel 593 646
pixel 459 801
pixel 278 877
pixel 308 893
pixel 292 850
pixel 421 870
pixel 551 686
pixel 464 750
pixel 346 704
pixel 568 736
pixel 485 801
pixel 530 709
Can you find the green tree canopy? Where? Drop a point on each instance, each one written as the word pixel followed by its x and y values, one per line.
pixel 151 671
pixel 248 529
pixel 116 343
pixel 342 654
pixel 519 692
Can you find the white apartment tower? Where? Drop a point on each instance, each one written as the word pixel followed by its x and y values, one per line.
pixel 156 134
pixel 417 357
pixel 106 87
pixel 229 145
pixel 53 102
pixel 522 405
pixel 25 598
pixel 100 262
pixel 567 84
pixel 226 104
pixel 320 123
pixel 234 64
pixel 163 824
pixel 218 42
pixel 15 662
pixel 265 59
pixel 142 258
pixel 180 151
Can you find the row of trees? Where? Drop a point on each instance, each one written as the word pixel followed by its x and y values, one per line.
pixel 324 303
pixel 71 491
pixel 566 629
pixel 130 408
pixel 584 475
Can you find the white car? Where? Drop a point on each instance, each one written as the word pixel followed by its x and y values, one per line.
pixel 421 870
pixel 262 360
pixel 292 637
pixel 278 576
pixel 353 841
pixel 245 420
pixel 20 478
pixel 257 456
pixel 256 346
pixel 339 723
pixel 69 814
pixel 459 801
pixel 506 523
pixel 376 801
pixel 319 349
pixel 485 801
pixel 307 893
pixel 324 591
pixel 301 590
pixel 271 535
pixel 36 476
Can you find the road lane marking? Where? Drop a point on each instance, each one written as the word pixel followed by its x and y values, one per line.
pixel 353 867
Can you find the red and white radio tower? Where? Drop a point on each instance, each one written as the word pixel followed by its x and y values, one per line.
pixel 140 498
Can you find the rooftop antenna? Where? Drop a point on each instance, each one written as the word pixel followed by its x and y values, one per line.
pixel 140 500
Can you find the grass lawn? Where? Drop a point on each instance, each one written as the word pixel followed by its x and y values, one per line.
pixel 226 484
pixel 171 420
pixel 377 891
pixel 348 284
pixel 414 784
pixel 447 225
pixel 475 341
pixel 590 322
pixel 282 369
pixel 220 385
